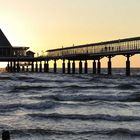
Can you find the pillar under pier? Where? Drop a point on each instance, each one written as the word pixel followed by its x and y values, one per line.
pixel 94 67
pixel 73 67
pixel 128 66
pixel 8 67
pixel 11 66
pixel 80 67
pixel 69 67
pixel 63 67
pixel 109 66
pixel 32 69
pixel 47 67
pixel 99 66
pixel 27 69
pixel 23 69
pixel 55 66
pixel 14 67
pixel 36 67
pixel 40 66
pixel 18 67
pixel 86 67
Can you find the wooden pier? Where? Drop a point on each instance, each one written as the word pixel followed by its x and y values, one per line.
pixel 95 52
pixel 20 58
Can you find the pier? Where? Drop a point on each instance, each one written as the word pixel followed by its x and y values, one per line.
pixel 95 52
pixel 21 59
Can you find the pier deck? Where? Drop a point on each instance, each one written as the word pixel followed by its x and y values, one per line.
pixel 20 57
pixel 96 51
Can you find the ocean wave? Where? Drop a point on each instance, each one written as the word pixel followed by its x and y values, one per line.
pixel 33 106
pixel 29 87
pixel 80 87
pixel 56 116
pixel 38 80
pixel 110 132
pixel 134 97
pixel 126 87
pixel 47 87
pixel 9 106
pixel 40 105
pixel 5 78
pixel 85 98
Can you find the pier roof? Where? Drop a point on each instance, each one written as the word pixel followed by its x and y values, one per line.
pixel 4 41
pixel 96 44
pixel 20 48
pixel 30 52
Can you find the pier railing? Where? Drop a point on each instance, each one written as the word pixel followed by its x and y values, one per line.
pixel 116 46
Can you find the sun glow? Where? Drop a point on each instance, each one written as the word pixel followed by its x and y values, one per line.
pixel 43 25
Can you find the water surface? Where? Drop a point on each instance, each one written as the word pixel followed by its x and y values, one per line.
pixel 40 106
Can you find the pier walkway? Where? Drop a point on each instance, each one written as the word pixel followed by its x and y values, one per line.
pixel 22 59
pixel 95 51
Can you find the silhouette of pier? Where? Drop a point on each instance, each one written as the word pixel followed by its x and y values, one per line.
pixel 96 51
pixel 21 58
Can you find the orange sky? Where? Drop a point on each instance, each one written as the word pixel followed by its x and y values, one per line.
pixel 47 24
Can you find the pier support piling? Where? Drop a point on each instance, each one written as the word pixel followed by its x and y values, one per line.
pixel 8 67
pixel 94 67
pixel 14 67
pixel 18 67
pixel 23 69
pixel 99 66
pixel 80 67
pixel 86 67
pixel 128 66
pixel 55 66
pixel 109 66
pixel 73 67
pixel 32 69
pixel 40 67
pixel 63 67
pixel 69 67
pixel 36 67
pixel 11 66
pixel 45 66
pixel 27 69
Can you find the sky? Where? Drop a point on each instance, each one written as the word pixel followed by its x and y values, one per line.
pixel 48 24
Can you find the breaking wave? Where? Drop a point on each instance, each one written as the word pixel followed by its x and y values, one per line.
pixel 134 97
pixel 110 132
pixel 106 117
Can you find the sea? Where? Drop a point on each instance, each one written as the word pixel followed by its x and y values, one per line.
pixel 48 106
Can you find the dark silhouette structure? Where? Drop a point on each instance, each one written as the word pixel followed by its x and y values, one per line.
pixel 30 54
pixel 5 46
pixel 3 40
pixel 5 135
pixel 96 51
pixel 15 56
pixel 20 59
pixel 7 50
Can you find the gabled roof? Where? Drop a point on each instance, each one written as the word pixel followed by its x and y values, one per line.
pixel 4 41
pixel 20 48
pixel 30 52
